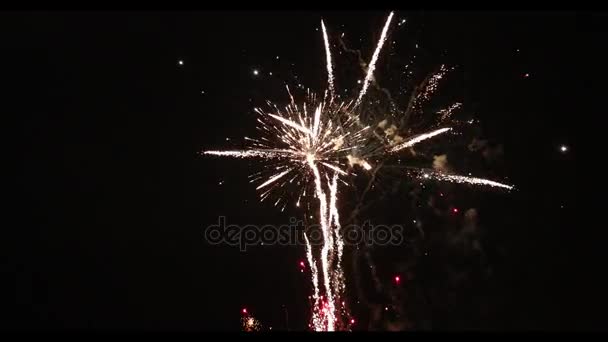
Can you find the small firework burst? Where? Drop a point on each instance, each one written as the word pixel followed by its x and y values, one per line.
pixel 250 323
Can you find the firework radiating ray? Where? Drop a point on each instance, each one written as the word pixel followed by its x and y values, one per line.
pixel 292 124
pixel 271 180
pixel 335 168
pixel 463 180
pixel 419 138
pixel 266 154
pixel 315 128
pixel 330 73
pixel 372 64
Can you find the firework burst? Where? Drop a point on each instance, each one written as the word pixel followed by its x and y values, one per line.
pixel 250 323
pixel 312 146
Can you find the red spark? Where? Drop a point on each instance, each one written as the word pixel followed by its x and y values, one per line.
pixel 352 321
pixel 244 311
pixel 397 279
pixel 301 263
pixel 455 210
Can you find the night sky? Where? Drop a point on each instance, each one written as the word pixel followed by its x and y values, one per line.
pixel 116 197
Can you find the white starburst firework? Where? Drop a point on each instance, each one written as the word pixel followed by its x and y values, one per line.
pixel 310 146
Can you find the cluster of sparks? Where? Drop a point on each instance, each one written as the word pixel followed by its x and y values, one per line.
pixel 432 85
pixel 250 323
pixel 447 112
pixel 312 146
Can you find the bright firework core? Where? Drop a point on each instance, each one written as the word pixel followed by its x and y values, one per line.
pixel 309 146
pixel 310 157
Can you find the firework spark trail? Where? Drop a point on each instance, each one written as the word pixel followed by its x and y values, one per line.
pixel 316 319
pixel 372 63
pixel 330 73
pixel 329 314
pixel 333 220
pixel 335 168
pixel 419 138
pixel 330 220
pixel 292 124
pixel 266 154
pixel 338 281
pixel 315 127
pixel 464 180
pixel 273 179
